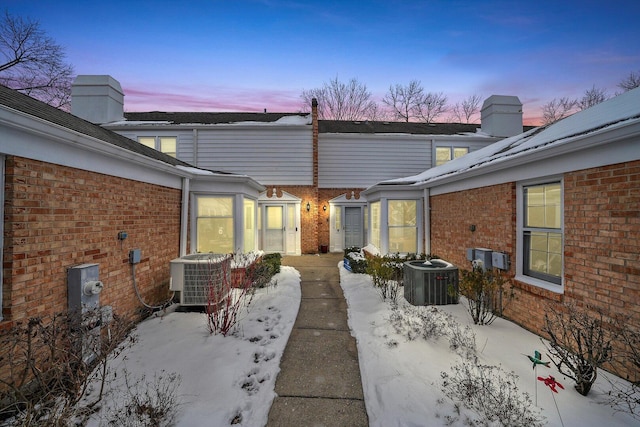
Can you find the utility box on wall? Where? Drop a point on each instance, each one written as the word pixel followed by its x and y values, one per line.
pixel 84 287
pixel 483 255
pixel 500 260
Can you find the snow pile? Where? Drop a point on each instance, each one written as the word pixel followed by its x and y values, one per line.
pixel 221 378
pixel 401 371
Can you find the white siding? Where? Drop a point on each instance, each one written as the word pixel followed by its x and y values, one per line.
pixel 359 160
pixel 270 155
pixel 273 155
pixel 362 160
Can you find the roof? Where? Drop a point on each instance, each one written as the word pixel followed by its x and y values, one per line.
pixel 208 117
pixel 621 110
pixel 26 104
pixel 371 127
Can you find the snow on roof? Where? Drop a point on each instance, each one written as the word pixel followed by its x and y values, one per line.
pixel 609 113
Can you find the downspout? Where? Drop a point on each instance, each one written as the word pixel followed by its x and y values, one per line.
pixel 184 216
pixel 427 222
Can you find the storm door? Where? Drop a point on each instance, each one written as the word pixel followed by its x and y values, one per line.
pixel 274 228
pixel 353 227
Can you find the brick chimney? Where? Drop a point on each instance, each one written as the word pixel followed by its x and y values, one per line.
pixel 98 99
pixel 314 125
pixel 501 116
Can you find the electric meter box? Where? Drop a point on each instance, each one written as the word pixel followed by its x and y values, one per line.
pixel 84 287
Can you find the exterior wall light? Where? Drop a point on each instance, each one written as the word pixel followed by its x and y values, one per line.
pixel 324 207
pixel 308 206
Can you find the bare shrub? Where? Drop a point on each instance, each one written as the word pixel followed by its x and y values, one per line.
pixel 148 403
pixel 579 342
pixel 51 363
pixel 492 393
pixel 625 397
pixel 430 323
pixel 485 293
pixel 226 300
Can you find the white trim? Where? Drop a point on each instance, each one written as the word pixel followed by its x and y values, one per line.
pixel 552 287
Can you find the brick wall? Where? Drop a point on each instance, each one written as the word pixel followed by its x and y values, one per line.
pixel 324 195
pixel 491 210
pixel 57 217
pixel 602 237
pixel 602 244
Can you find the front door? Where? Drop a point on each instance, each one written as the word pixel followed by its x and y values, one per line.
pixel 274 229
pixel 353 226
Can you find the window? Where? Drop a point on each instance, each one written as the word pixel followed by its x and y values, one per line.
pixel 375 224
pixel 445 154
pixel 403 226
pixel 542 232
pixel 165 144
pixel 249 225
pixel 214 225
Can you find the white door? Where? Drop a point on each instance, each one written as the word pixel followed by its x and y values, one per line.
pixel 291 230
pixel 353 227
pixel 274 230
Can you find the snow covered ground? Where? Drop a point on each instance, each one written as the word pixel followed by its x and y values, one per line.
pixel 231 379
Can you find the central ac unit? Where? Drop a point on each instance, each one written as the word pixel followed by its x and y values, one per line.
pixel 195 275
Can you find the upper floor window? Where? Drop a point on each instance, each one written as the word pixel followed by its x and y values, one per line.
pixel 445 154
pixel 542 232
pixel 165 144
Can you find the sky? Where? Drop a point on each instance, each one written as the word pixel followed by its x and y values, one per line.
pixel 251 55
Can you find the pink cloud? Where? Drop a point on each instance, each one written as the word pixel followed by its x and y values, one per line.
pixel 211 99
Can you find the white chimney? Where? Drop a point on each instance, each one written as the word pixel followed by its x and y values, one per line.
pixel 98 99
pixel 501 116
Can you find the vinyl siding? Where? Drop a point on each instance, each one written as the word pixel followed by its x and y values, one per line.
pixel 362 160
pixel 269 154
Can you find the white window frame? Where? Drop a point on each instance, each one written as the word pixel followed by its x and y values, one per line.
pixel 158 143
pixel 520 230
pixel 403 226
pixel 451 149
pixel 195 216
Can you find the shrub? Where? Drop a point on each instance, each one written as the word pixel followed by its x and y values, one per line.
pixel 384 274
pixel 357 260
pixel 579 342
pixel 625 397
pixel 49 364
pixel 492 393
pixel 484 291
pixel 272 262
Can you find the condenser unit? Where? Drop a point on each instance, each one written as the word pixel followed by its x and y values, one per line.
pixel 199 276
pixel 433 282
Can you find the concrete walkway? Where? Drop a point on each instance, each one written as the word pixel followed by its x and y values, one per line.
pixel 319 382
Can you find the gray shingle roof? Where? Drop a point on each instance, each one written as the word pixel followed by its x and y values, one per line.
pixel 18 101
pixel 207 118
pixel 369 127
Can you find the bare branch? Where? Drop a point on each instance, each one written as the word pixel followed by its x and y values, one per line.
pixel 592 97
pixel 557 109
pixel 632 81
pixel 463 111
pixel 32 62
pixel 432 105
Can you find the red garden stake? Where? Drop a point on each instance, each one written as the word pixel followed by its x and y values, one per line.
pixel 552 384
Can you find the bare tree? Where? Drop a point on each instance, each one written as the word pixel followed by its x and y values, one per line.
pixel 432 106
pixel 592 97
pixel 557 109
pixel 32 62
pixel 632 81
pixel 404 101
pixel 342 101
pixel 463 111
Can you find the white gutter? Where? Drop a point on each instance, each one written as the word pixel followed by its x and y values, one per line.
pixel 184 216
pixel 427 222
